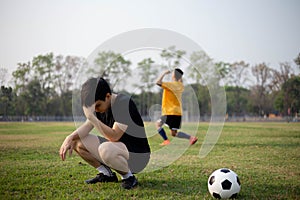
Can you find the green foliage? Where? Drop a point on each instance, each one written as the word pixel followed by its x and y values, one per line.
pixel 264 155
pixel 237 100
pixel 44 85
pixel 223 68
pixel 111 66
pixel 202 68
pixel 34 98
pixel 297 60
pixel 203 98
pixel 172 57
pixel 147 74
pixel 291 93
pixel 6 101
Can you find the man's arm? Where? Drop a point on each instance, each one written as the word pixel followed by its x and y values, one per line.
pixel 159 80
pixel 113 134
pixel 80 132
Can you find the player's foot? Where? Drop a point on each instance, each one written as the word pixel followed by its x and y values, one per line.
pixel 193 140
pixel 103 178
pixel 165 143
pixel 129 183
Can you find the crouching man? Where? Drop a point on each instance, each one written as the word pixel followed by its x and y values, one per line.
pixel 124 146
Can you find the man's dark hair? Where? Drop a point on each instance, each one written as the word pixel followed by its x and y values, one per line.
pixel 94 89
pixel 178 73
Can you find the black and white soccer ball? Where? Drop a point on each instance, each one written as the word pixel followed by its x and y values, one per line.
pixel 223 184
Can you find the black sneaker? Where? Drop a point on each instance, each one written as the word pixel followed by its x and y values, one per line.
pixel 103 178
pixel 129 183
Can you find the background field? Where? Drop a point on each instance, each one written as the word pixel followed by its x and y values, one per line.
pixel 264 155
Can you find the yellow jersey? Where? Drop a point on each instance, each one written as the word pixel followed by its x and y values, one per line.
pixel 171 99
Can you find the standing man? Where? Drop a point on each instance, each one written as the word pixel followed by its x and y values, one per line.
pixel 172 107
pixel 124 146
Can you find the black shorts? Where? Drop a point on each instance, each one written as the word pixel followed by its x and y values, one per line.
pixel 173 121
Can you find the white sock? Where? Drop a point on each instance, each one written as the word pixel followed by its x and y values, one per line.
pixel 125 176
pixel 104 170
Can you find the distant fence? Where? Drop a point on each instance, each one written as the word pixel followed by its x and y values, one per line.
pixel 263 119
pixel 36 118
pixel 185 118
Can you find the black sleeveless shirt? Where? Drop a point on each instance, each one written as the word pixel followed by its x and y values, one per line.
pixel 124 111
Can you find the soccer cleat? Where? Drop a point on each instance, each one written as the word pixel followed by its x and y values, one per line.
pixel 193 140
pixel 129 183
pixel 103 178
pixel 165 143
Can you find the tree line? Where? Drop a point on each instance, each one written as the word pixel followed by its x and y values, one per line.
pixel 44 86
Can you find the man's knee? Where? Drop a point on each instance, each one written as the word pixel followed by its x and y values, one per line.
pixel 78 145
pixel 158 124
pixel 104 151
pixel 173 133
pixel 111 150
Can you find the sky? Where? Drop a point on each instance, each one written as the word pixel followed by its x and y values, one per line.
pixel 254 31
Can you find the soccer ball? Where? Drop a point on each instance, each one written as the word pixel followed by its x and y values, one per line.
pixel 223 184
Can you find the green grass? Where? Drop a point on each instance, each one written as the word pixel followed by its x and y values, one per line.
pixel 264 155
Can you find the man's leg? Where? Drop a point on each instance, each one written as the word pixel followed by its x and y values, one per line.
pixel 87 149
pixel 175 123
pixel 162 132
pixel 116 155
pixel 183 135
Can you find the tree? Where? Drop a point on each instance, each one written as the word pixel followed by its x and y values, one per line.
pixel 238 74
pixel 297 60
pixel 289 98
pixel 147 74
pixel 260 91
pixel 40 69
pixel 51 79
pixel 172 57
pixel 223 69
pixel 237 78
pixel 206 73
pixel 237 100
pixel 34 99
pixel 111 66
pixel 35 85
pixel 43 67
pixel 203 98
pixel 279 77
pixel 201 68
pixel 6 102
pixel 65 72
pixel 22 75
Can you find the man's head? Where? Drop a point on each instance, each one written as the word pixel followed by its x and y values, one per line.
pixel 178 74
pixel 94 90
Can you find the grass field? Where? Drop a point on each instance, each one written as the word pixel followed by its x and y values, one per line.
pixel 264 155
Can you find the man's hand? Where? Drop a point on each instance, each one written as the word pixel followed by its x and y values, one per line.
pixel 167 72
pixel 159 80
pixel 89 111
pixel 66 146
